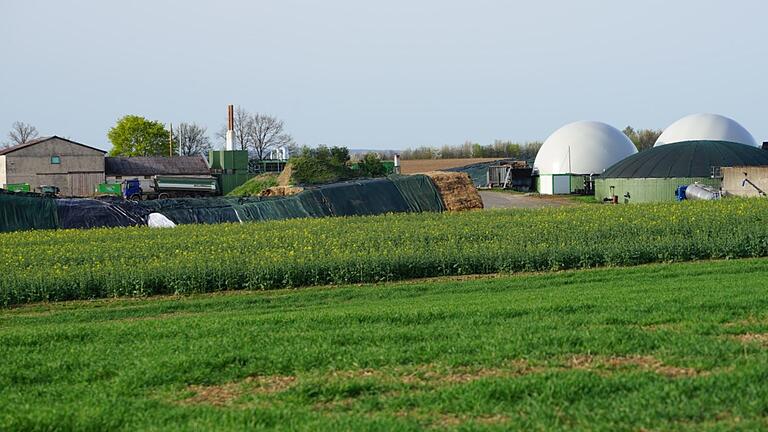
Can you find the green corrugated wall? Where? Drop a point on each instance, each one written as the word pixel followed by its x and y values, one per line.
pixel 646 189
pixel 228 182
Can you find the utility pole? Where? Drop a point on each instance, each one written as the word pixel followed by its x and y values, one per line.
pixel 170 140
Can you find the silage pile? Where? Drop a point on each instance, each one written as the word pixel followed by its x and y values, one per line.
pixel 457 190
pixel 281 191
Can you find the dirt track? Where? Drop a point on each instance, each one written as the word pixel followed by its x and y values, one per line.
pixel 493 200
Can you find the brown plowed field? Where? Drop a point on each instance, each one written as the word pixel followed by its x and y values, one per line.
pixel 426 165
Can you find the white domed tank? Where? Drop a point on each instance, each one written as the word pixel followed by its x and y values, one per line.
pixel 706 127
pixel 578 149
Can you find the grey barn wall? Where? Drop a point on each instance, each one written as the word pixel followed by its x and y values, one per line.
pixel 80 170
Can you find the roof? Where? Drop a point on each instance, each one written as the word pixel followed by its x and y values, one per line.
pixel 12 149
pixel 584 147
pixel 686 159
pixel 156 165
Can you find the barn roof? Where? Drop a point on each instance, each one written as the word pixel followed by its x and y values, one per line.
pixel 686 159
pixel 157 165
pixel 12 149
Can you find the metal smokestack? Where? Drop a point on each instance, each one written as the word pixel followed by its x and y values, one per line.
pixel 230 145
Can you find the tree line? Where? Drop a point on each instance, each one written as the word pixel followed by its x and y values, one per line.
pixel 134 135
pixel 498 149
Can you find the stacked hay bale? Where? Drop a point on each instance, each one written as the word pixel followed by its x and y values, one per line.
pixel 457 190
pixel 281 191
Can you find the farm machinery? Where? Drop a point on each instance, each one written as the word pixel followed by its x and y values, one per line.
pixel 162 187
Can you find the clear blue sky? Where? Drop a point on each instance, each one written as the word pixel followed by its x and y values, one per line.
pixel 387 74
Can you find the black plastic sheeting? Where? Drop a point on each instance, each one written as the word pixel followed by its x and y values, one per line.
pixel 361 198
pixel 395 194
pixel 89 213
pixel 419 193
pixel 24 211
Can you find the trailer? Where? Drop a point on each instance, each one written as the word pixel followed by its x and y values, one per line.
pixel 164 187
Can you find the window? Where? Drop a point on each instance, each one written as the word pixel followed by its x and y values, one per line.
pixel 147 177
pixel 55 160
pixel 118 177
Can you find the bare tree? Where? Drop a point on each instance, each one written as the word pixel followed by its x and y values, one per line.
pixel 267 133
pixel 21 132
pixel 191 139
pixel 243 120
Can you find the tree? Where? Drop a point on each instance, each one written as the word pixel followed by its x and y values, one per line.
pixel 321 165
pixel 371 166
pixel 259 133
pixel 267 133
pixel 136 136
pixel 241 132
pixel 21 133
pixel 191 139
pixel 643 139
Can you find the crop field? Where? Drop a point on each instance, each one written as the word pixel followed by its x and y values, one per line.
pixel 86 264
pixel 680 346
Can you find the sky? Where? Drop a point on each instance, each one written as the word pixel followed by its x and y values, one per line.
pixel 382 75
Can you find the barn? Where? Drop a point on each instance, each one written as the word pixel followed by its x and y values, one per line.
pixel 75 168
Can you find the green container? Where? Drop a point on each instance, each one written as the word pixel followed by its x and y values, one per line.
pixel 18 187
pixel 214 159
pixel 228 182
pixel 109 189
pixel 228 160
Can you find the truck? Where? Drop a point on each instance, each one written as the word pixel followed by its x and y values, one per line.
pixel 164 187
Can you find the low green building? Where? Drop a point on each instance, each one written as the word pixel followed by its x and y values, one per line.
pixel 654 175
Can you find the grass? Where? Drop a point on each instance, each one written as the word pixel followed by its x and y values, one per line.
pixel 255 185
pixel 666 346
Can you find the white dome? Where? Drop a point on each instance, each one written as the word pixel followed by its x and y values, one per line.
pixel 584 147
pixel 705 127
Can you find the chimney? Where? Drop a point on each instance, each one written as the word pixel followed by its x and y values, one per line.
pixel 765 145
pixel 230 128
pixel 397 163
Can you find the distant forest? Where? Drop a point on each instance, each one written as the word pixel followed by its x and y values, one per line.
pixel 642 138
pixel 499 149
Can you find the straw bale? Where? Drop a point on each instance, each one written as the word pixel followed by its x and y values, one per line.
pixel 457 190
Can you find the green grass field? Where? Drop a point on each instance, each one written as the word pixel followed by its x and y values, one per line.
pixel 666 346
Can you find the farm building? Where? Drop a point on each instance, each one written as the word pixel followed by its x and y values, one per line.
pixel 144 167
pixel 653 175
pixel 705 127
pixel 73 167
pixel 577 150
